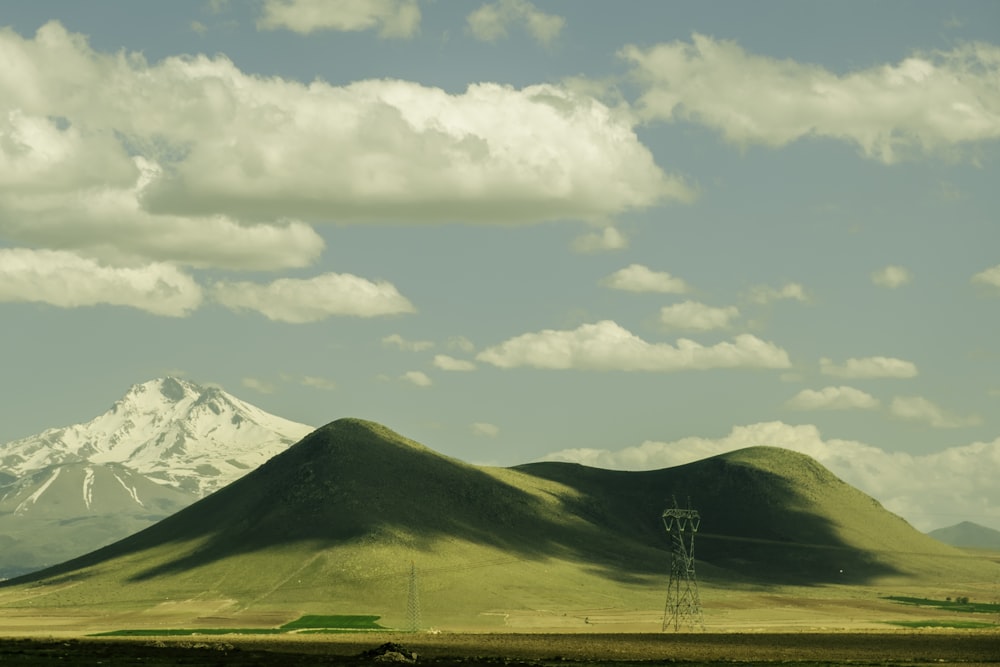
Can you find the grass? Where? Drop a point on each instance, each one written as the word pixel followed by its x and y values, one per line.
pixel 188 632
pixel 334 623
pixel 950 605
pixel 305 624
pixel 943 624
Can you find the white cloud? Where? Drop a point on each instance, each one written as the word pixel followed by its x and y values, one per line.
pixel 392 18
pixel 608 239
pixel 990 276
pixel 77 189
pixel 418 378
pixel 408 345
pixel 833 398
pixel 926 104
pixel 956 483
pixel 918 408
pixel 891 276
pixel 607 346
pixel 491 21
pixel 313 299
pixel 639 278
pixel 869 367
pixel 764 294
pixel 446 363
pixel 192 161
pixel 258 385
pixel 695 316
pixel 67 280
pixel 485 429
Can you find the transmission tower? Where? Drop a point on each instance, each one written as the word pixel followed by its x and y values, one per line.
pixel 413 602
pixel 683 604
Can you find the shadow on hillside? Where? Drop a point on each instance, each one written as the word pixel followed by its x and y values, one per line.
pixel 354 481
pixel 756 526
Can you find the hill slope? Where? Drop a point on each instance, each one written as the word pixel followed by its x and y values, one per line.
pixel 335 520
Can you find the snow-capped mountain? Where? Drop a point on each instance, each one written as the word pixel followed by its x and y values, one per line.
pixel 62 511
pixel 197 439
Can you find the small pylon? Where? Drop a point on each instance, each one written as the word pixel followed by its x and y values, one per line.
pixel 683 603
pixel 413 602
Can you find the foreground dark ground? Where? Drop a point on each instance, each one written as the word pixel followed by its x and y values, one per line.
pixel 904 648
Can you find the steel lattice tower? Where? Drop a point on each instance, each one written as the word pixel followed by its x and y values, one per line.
pixel 683 604
pixel 413 602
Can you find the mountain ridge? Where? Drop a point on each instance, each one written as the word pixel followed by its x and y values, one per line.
pixel 163 445
pixel 968 534
pixel 176 432
pixel 332 521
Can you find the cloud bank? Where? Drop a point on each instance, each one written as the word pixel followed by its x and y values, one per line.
pixel 927 104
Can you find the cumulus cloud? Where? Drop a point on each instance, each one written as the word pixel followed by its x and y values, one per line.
pixel 920 409
pixel 607 239
pixel 695 316
pixel 189 160
pixel 392 18
pixel 407 345
pixel 990 276
pixel 639 278
pixel 313 299
pixel 928 103
pixel 492 20
pixel 485 429
pixel 764 294
pixel 833 398
pixel 606 346
pixel 869 367
pixel 67 280
pixel 891 276
pixel 418 378
pixel 446 363
pixel 930 490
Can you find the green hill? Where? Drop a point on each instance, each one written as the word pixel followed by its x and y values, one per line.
pixel 333 523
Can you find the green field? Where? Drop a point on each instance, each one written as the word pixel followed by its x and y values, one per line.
pixel 950 605
pixel 960 625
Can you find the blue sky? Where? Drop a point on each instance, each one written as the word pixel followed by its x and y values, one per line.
pixel 627 234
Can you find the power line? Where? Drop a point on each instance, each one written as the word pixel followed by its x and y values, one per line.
pixel 683 602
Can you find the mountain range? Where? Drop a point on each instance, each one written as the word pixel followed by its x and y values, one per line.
pixel 164 445
pixel 968 534
pixel 334 522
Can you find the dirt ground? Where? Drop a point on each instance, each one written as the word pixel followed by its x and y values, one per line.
pixel 792 627
pixel 542 649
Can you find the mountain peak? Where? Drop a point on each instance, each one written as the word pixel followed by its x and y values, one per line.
pixel 182 434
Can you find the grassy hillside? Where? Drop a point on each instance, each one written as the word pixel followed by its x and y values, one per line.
pixel 333 523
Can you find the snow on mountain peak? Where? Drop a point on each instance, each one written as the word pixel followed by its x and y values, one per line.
pixel 177 432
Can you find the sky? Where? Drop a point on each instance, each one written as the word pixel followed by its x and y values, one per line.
pixel 627 234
